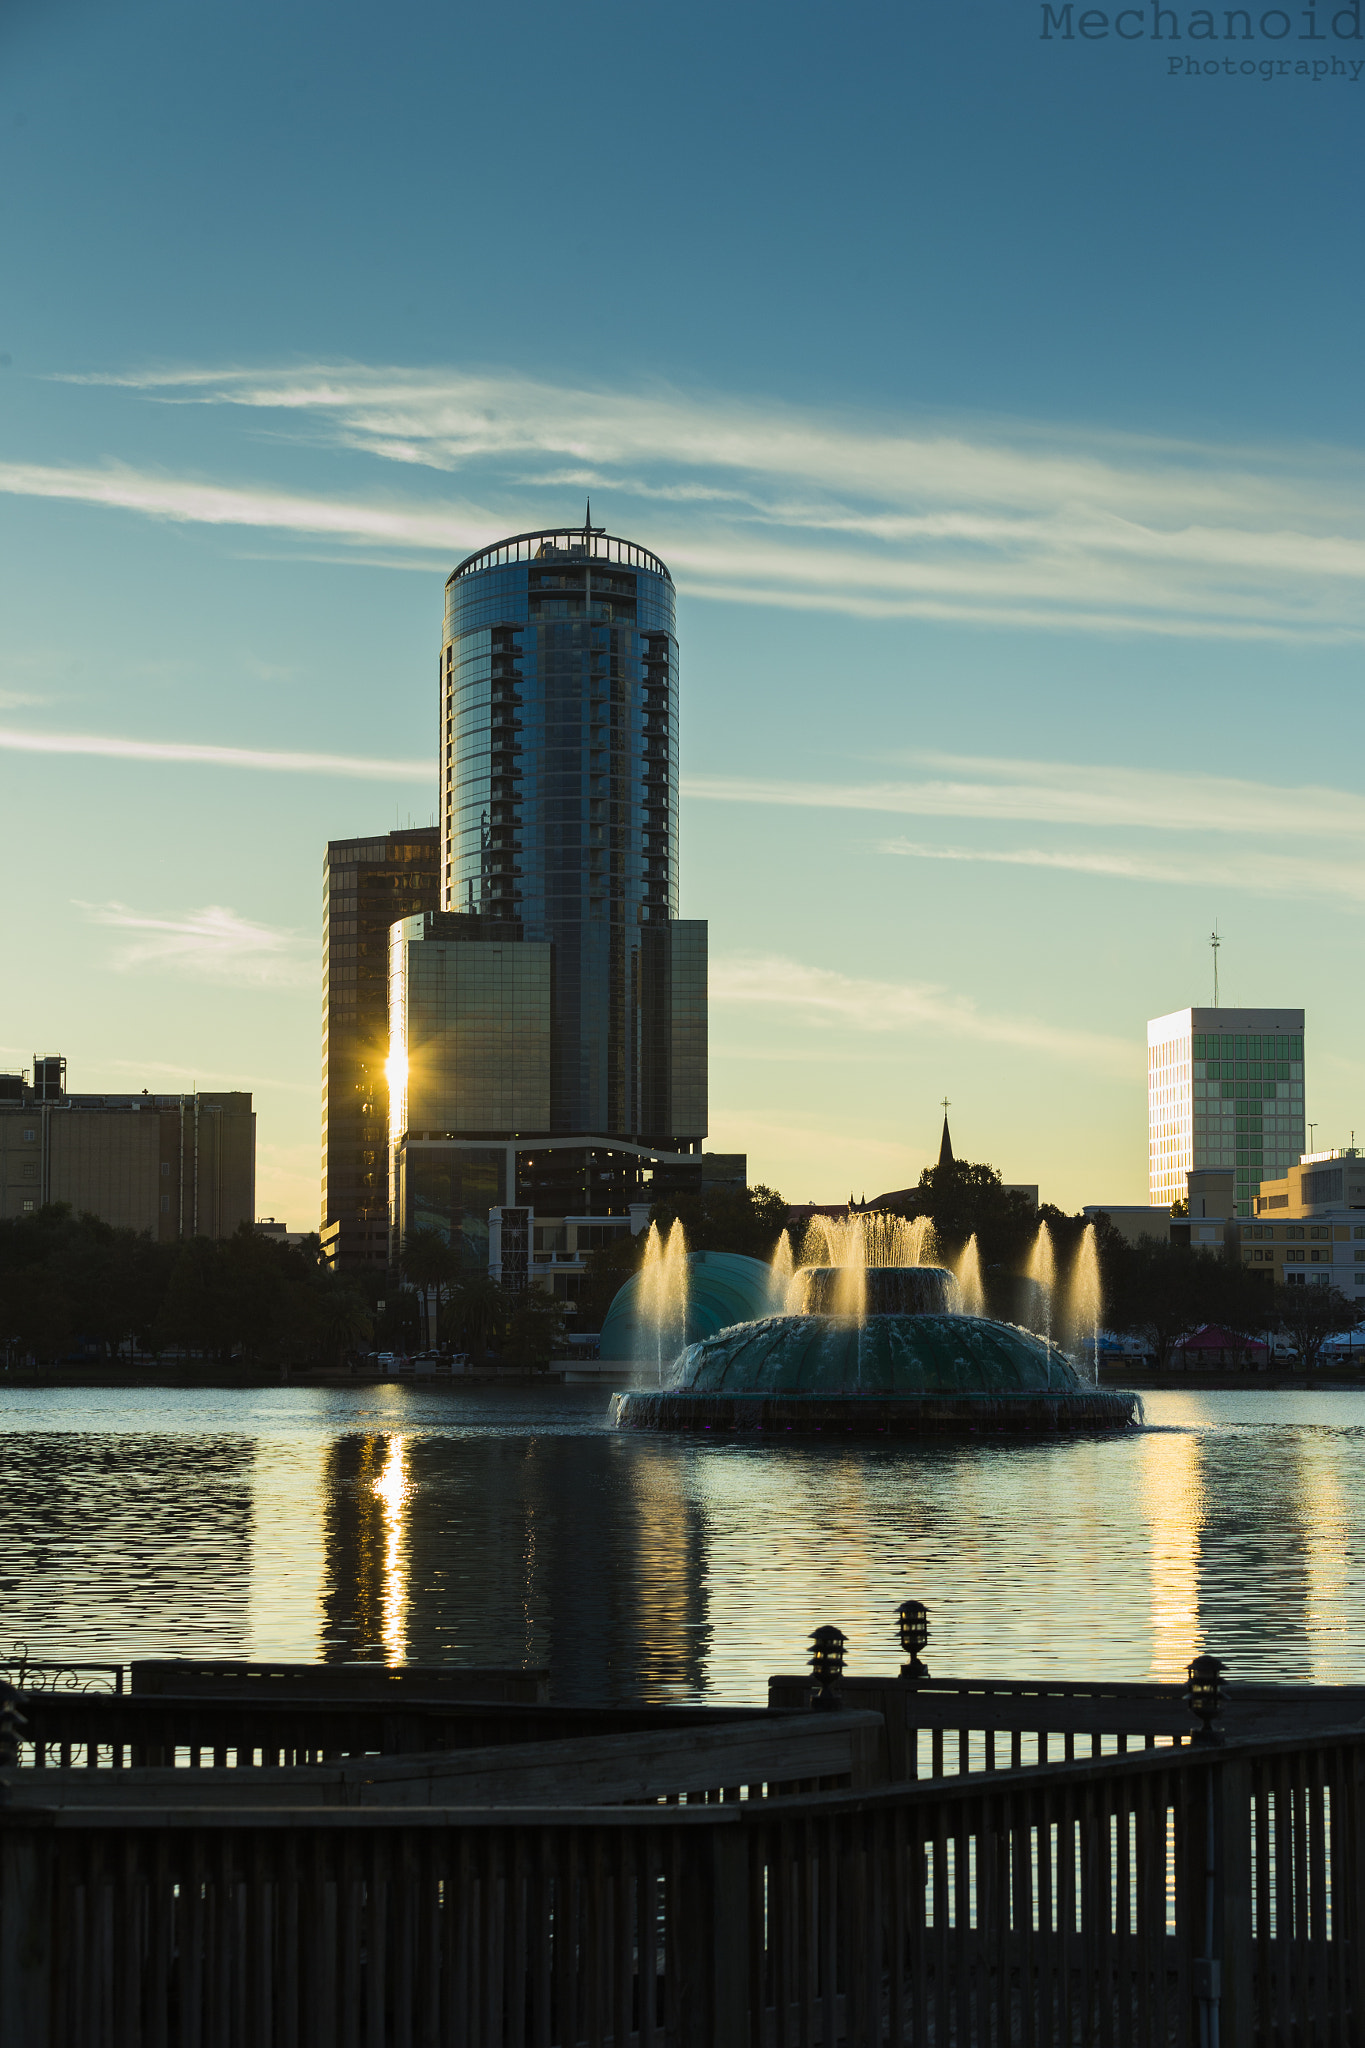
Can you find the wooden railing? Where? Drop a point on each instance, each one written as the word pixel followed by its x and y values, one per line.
pixel 1143 1899
pixel 228 1678
pixel 134 1729
pixel 951 1727
pixel 756 1758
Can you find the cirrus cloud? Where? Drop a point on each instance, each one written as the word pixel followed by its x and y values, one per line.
pixel 1001 523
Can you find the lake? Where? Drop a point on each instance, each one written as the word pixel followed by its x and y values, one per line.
pixel 513 1526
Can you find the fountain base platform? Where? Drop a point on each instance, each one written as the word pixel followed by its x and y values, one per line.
pixel 876 1375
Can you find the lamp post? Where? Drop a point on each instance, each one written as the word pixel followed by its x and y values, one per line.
pixel 912 1617
pixel 1204 1696
pixel 827 1668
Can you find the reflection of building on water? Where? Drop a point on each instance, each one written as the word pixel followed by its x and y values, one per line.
pixel 564 1551
pixel 1172 1495
pixel 1247 1549
pixel 1326 1518
pixel 360 1535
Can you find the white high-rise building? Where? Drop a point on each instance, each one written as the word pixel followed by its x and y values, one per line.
pixel 1224 1090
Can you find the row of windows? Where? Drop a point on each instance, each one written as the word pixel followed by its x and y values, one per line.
pixel 1228 1045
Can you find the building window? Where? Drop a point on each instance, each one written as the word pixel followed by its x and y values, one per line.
pixel 28 1205
pixel 29 1136
pixel 165 1205
pixel 165 1169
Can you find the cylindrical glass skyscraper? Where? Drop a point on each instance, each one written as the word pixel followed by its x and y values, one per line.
pixel 559 735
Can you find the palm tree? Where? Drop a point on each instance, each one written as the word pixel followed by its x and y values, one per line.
pixel 428 1262
pixel 483 1307
pixel 346 1322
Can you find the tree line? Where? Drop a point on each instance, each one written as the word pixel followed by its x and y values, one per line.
pixel 73 1286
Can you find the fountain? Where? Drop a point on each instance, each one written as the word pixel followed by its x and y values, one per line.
pixel 971 1291
pixel 889 1347
pixel 1042 1271
pixel 663 1293
pixel 1085 1300
pixel 781 1274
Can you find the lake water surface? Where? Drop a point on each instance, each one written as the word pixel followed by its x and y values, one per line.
pixel 514 1526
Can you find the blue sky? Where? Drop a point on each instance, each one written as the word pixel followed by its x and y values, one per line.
pixel 995 401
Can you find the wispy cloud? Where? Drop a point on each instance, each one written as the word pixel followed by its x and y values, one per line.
pixel 1258 872
pixel 212 944
pixel 1008 523
pixel 17 700
pixel 822 997
pixel 271 759
pixel 205 503
pixel 1094 795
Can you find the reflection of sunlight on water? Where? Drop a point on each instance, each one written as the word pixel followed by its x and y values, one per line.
pixel 1326 1555
pixel 1171 1494
pixel 392 1490
pixel 288 1547
pixel 506 1526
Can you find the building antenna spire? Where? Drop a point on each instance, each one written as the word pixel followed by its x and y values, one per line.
pixel 1215 942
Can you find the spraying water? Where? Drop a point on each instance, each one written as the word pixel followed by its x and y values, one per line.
pixel 663 1293
pixel 972 1295
pixel 1042 1268
pixel 1086 1303
pixel 781 1269
pixel 868 1238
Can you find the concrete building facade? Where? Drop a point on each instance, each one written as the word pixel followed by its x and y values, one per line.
pixel 172 1166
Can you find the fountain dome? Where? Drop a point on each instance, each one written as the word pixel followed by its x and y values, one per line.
pixel 906 1365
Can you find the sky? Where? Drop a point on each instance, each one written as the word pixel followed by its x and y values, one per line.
pixel 992 391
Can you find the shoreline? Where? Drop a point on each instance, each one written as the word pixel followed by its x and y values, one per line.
pixel 205 1376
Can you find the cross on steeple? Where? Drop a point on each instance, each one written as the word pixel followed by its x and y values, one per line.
pixel 945 1150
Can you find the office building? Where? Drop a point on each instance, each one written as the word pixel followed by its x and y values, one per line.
pixel 553 1017
pixel 1225 1090
pixel 174 1166
pixel 1310 1225
pixel 366 884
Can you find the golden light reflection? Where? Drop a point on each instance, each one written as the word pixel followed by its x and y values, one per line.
pixel 1172 1498
pixel 392 1490
pixel 1324 1511
pixel 288 1547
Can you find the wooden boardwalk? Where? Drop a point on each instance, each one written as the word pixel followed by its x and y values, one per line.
pixel 777 1879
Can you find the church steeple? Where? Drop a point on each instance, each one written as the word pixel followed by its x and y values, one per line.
pixel 945 1150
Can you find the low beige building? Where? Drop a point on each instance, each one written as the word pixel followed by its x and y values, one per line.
pixel 1310 1225
pixel 173 1166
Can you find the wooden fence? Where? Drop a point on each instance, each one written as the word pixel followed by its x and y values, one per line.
pixel 1127 1900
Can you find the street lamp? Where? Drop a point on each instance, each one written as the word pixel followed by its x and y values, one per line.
pixel 1204 1695
pixel 913 1619
pixel 827 1668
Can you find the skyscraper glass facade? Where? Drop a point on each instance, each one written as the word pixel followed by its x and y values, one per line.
pixel 559 708
pixel 366 884
pixel 1225 1090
